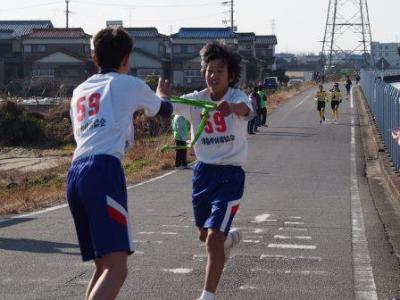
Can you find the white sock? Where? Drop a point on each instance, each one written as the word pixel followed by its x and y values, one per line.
pixel 228 241
pixel 207 295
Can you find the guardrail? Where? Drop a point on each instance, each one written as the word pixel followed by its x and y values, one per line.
pixel 383 100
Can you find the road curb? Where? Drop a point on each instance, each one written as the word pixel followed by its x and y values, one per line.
pixel 379 172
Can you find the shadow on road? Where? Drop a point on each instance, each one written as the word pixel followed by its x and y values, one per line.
pixel 37 246
pixel 14 221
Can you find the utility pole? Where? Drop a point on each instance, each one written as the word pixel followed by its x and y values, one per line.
pixel 231 11
pixel 273 26
pixel 67 12
pixel 232 26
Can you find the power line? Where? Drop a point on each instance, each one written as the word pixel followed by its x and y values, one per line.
pixel 145 5
pixel 29 6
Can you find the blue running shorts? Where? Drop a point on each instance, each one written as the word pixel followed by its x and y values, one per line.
pixel 217 190
pixel 97 198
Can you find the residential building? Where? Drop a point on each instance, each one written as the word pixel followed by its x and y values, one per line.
pixel 185 58
pixel 265 51
pixel 150 52
pixel 386 53
pixel 57 56
pixel 11 64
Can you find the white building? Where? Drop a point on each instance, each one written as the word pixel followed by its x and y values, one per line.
pixel 387 51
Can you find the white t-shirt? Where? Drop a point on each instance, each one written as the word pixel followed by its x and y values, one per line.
pixel 224 139
pixel 102 109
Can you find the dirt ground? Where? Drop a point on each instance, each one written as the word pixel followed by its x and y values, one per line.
pixel 31 160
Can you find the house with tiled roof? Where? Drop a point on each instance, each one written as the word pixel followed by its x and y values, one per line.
pixel 55 56
pixel 150 52
pixel 11 65
pixel 265 51
pixel 185 47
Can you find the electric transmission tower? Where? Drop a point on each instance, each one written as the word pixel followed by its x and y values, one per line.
pixel 347 33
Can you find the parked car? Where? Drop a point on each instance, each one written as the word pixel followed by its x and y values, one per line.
pixel 294 81
pixel 271 83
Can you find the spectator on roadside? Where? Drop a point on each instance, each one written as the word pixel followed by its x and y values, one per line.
pixel 358 78
pixel 252 123
pixel 259 109
pixel 181 129
pixel 263 100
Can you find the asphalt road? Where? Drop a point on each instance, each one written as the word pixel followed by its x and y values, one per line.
pixel 310 227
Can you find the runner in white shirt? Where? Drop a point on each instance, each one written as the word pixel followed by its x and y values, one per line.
pixel 224 140
pixel 101 112
pixel 109 130
pixel 218 180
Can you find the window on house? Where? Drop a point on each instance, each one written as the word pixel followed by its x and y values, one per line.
pixel 38 48
pixel 145 72
pixel 27 48
pixel 177 49
pixel 190 49
pixel 43 72
pixel 86 49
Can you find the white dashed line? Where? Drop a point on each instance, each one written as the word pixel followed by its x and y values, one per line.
pixel 152 232
pixel 247 287
pixel 146 242
pixel 261 218
pixel 293 223
pixel 294 218
pixel 179 271
pixel 292 229
pixel 287 257
pixel 251 241
pixel 285 237
pixel 292 246
pixel 291 272
pixel 176 226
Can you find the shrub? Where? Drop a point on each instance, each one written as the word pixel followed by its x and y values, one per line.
pixel 18 127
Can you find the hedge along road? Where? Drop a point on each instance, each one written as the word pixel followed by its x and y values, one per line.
pixel 302 219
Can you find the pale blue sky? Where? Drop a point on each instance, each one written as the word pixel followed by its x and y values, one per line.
pixel 299 24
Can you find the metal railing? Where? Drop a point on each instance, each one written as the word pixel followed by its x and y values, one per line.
pixel 383 100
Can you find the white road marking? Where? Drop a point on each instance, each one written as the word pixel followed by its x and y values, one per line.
pixel 261 218
pixel 301 102
pixel 290 272
pixel 176 226
pixel 294 218
pixel 146 242
pixel 292 246
pixel 43 211
pixel 153 232
pixel 287 257
pixel 251 241
pixel 139 252
pixel 179 271
pixel 297 237
pixel 364 283
pixel 248 287
pixel 292 229
pixel 293 223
